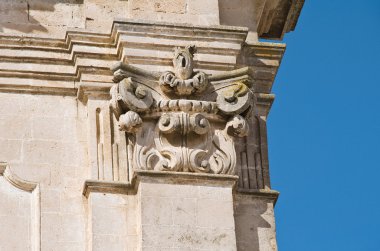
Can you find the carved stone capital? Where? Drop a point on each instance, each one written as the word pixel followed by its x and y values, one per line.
pixel 176 133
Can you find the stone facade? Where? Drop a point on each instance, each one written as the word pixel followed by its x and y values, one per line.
pixel 138 125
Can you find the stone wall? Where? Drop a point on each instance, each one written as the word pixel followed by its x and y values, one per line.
pixel 52 18
pixel 15 215
pixel 71 180
pixel 42 138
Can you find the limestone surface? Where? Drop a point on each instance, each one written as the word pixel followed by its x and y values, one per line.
pixel 138 125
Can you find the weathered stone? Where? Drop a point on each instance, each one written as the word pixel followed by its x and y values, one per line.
pixel 177 160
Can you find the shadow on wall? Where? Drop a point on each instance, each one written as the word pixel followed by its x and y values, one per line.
pixel 248 222
pixel 19 15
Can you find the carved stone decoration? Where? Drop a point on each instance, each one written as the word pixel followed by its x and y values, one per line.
pixel 170 132
pixel 183 63
pixel 130 122
pixel 128 95
pixel 183 81
pixel 235 99
pixel 184 123
pixel 237 126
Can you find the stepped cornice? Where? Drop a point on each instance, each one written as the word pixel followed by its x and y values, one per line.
pixel 60 66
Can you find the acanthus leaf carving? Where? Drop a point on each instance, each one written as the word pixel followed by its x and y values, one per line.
pixel 182 135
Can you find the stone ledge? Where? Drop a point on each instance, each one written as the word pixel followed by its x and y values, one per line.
pixel 36 65
pixel 186 178
pixel 116 187
pixel 208 28
pixel 264 103
pixel 99 186
pixel 259 193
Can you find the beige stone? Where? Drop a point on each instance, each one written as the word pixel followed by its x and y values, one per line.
pixel 183 220
pixel 109 222
pixel 254 221
pixel 19 212
pixel 190 90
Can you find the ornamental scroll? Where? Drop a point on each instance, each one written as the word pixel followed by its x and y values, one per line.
pixel 182 120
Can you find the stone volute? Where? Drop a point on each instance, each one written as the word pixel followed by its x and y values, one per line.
pixel 182 120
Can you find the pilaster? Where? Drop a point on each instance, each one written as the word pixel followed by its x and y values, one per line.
pixel 172 139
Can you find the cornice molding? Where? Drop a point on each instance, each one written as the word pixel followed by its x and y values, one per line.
pixel 59 66
pixel 266 194
pixel 279 17
pixel 116 187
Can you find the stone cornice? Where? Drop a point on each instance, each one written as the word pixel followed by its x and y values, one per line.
pixel 116 187
pixel 278 18
pixel 264 103
pixel 187 30
pixel 59 66
pixel 271 195
pixel 97 186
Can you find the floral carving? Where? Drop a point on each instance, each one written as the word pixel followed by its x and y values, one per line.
pixel 173 133
pixel 183 81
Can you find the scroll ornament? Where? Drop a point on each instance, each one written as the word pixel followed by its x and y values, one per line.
pixel 182 120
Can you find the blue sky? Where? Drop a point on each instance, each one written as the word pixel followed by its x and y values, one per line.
pixel 324 129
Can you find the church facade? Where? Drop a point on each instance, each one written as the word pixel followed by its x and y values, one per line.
pixel 138 124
